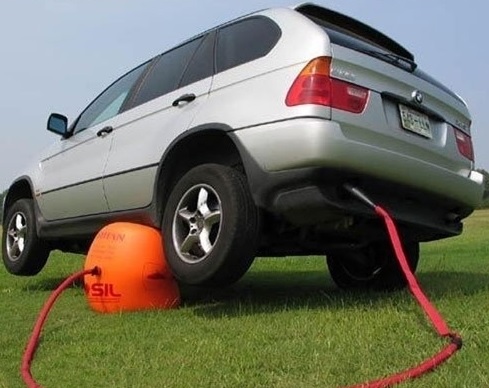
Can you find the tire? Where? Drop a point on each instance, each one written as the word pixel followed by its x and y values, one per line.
pixel 23 253
pixel 210 226
pixel 375 267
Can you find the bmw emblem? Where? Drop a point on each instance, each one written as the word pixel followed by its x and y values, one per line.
pixel 417 97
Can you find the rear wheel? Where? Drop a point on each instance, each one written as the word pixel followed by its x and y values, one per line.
pixel 374 267
pixel 210 226
pixel 23 252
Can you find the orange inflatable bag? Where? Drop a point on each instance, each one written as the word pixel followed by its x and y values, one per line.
pixel 133 272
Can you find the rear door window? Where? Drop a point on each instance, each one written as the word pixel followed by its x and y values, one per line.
pixel 244 41
pixel 166 73
pixel 201 65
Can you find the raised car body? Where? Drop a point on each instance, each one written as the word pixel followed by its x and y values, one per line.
pixel 298 103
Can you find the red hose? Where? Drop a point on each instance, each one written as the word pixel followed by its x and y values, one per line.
pixel 433 315
pixel 25 369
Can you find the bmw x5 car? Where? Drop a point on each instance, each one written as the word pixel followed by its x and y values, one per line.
pixel 239 142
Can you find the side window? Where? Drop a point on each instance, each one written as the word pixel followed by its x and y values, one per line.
pixel 245 41
pixel 202 64
pixel 109 103
pixel 166 73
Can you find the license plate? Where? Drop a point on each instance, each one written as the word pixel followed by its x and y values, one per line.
pixel 414 121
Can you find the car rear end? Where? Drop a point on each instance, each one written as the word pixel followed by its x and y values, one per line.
pixel 376 121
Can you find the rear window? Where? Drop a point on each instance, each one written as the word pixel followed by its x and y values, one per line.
pixel 347 39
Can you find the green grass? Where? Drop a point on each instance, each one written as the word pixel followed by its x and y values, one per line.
pixel 284 325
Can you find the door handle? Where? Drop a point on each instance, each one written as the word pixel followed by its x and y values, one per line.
pixel 184 98
pixel 105 131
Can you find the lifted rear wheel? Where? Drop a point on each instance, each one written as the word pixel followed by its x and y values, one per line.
pixel 210 226
pixel 374 267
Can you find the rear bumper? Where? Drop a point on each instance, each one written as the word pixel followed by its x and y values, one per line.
pixel 297 169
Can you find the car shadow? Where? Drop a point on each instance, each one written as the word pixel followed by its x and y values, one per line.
pixel 50 284
pixel 266 292
pixel 274 291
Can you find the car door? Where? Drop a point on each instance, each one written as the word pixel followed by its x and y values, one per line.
pixel 71 182
pixel 166 102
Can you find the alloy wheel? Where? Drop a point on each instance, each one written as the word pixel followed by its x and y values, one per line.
pixel 16 236
pixel 197 223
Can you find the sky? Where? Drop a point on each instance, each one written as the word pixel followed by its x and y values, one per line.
pixel 57 55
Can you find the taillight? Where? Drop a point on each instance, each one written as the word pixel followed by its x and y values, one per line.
pixel 464 144
pixel 314 85
pixel 349 97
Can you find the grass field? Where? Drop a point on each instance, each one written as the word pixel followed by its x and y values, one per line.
pixel 283 325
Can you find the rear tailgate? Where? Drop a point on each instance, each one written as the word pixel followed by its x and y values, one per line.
pixel 408 112
pixel 405 113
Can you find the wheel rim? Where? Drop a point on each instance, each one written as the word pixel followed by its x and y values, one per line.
pixel 16 236
pixel 197 223
pixel 361 267
pixel 360 273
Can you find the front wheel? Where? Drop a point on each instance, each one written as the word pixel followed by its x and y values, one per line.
pixel 23 252
pixel 374 267
pixel 210 226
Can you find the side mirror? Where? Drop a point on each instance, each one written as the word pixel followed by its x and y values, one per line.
pixel 58 124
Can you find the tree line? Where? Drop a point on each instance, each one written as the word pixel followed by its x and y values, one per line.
pixel 485 204
pixel 2 196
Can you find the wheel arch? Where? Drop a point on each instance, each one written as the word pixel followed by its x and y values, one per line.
pixel 210 143
pixel 21 188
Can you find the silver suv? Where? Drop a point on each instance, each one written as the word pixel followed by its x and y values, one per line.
pixel 239 142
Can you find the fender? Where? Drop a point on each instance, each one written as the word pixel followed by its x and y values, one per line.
pixel 163 175
pixel 21 187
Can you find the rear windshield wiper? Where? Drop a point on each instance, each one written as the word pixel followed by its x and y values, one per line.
pixel 395 59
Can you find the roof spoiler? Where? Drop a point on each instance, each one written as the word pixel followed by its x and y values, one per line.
pixel 354 26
